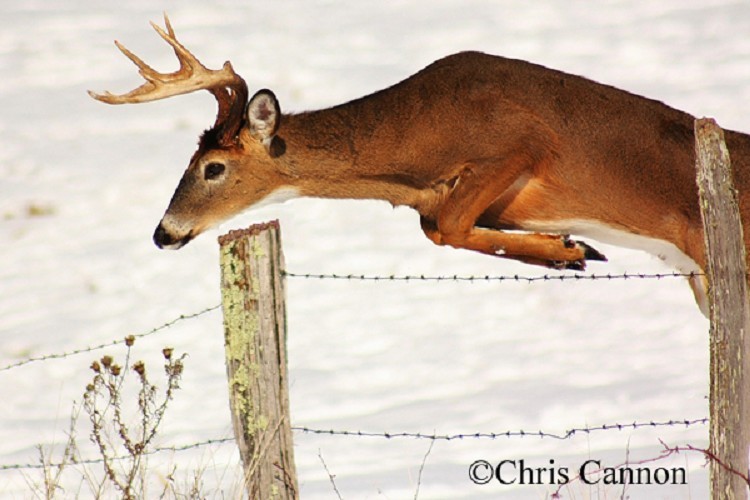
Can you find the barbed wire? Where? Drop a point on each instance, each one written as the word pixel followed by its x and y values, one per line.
pixel 501 278
pixel 507 434
pixel 168 324
pixel 92 461
pixel 394 435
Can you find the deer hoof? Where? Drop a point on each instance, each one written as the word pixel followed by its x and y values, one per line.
pixel 576 265
pixel 591 253
pixel 560 265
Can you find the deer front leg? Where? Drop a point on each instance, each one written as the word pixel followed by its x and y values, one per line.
pixel 477 187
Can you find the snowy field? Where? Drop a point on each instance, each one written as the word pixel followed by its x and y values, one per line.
pixel 84 184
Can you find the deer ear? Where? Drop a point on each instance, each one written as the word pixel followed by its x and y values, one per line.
pixel 263 115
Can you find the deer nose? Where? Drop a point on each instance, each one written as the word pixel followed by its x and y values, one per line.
pixel 161 237
pixel 166 239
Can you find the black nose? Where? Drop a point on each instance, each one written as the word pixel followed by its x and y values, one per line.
pixel 165 239
pixel 161 237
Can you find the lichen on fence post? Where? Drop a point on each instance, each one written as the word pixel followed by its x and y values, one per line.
pixel 252 290
pixel 729 400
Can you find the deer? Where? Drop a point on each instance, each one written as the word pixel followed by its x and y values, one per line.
pixel 496 155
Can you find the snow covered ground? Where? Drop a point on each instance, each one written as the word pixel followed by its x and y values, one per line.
pixel 83 186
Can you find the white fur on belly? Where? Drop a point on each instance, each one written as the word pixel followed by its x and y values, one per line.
pixel 664 250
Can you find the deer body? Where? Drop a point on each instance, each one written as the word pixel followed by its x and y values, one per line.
pixel 477 145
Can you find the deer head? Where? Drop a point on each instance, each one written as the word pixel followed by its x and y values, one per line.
pixel 218 182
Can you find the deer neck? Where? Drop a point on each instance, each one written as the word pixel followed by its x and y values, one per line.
pixel 329 156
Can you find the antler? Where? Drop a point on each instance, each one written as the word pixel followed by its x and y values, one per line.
pixel 229 89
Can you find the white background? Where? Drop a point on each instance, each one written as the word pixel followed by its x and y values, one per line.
pixel 380 357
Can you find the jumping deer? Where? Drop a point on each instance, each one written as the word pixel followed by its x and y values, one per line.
pixel 476 144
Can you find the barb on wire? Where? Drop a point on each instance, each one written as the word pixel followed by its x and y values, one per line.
pixel 82 350
pixel 393 435
pixel 501 278
pixel 507 434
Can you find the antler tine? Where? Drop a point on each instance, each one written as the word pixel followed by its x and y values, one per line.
pixel 186 58
pixel 146 71
pixel 169 26
pixel 136 60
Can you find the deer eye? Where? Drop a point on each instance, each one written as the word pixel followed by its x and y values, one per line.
pixel 213 171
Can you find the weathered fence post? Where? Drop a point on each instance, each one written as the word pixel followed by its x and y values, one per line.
pixel 252 291
pixel 730 319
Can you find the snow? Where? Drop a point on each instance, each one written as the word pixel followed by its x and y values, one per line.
pixel 84 185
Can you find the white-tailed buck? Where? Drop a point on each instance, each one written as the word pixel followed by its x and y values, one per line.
pixel 477 144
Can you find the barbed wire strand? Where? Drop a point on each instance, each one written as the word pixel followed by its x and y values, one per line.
pixel 500 278
pixel 91 461
pixel 507 434
pixel 396 435
pixel 111 343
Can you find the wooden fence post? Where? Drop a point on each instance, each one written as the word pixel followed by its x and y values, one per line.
pixel 729 432
pixel 252 291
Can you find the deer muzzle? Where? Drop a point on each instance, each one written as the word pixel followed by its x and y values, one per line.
pixel 165 237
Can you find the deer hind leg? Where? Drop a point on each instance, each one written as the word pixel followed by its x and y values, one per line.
pixel 481 183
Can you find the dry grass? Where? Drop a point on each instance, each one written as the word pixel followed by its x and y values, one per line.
pixel 124 410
